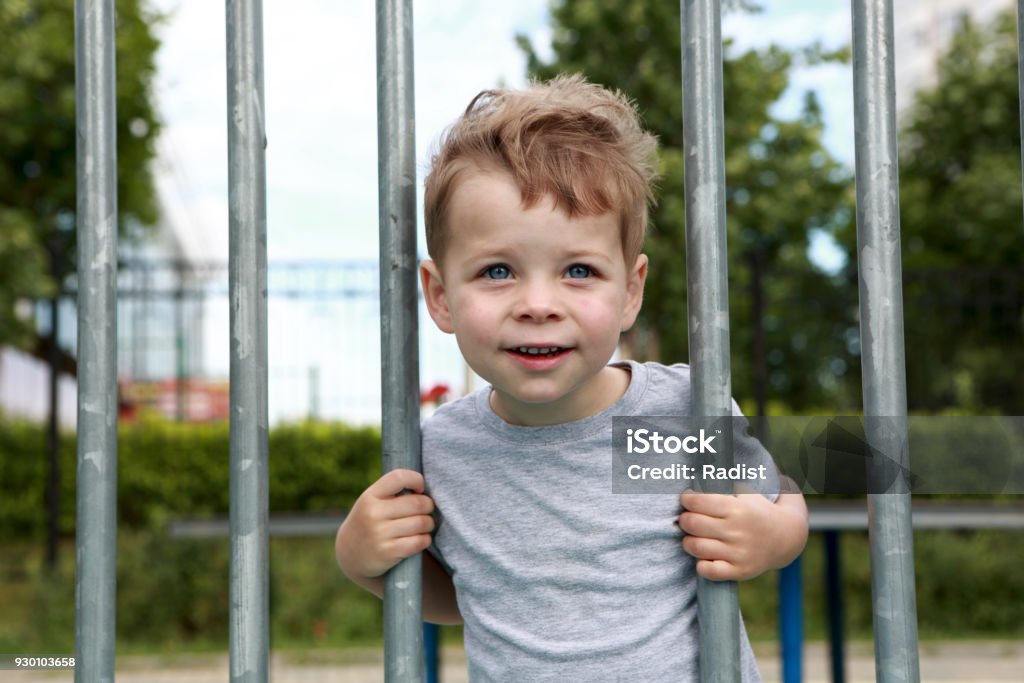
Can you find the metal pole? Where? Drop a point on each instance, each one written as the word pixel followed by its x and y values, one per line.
pixel 247 275
pixel 791 622
pixel 400 433
pixel 708 293
pixel 179 344
pixel 53 427
pixel 834 605
pixel 96 532
pixel 894 603
pixel 1020 76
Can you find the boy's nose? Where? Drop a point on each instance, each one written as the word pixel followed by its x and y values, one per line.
pixel 537 302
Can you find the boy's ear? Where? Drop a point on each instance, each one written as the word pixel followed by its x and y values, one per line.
pixel 635 279
pixel 435 296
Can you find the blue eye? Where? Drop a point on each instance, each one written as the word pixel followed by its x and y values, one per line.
pixel 578 271
pixel 498 272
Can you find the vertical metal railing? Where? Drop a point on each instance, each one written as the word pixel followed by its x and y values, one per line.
pixel 1020 79
pixel 247 291
pixel 894 603
pixel 400 430
pixel 96 525
pixel 708 291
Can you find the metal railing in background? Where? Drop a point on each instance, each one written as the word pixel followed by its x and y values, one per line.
pixel 249 618
pixel 400 428
pixel 1020 76
pixel 96 534
pixel 894 604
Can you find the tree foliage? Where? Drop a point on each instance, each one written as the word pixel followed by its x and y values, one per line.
pixel 781 185
pixel 38 140
pixel 961 216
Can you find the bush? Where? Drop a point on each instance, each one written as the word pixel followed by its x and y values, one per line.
pixel 174 592
pixel 167 469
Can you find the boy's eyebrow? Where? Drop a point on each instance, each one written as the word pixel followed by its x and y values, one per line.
pixel 587 254
pixel 500 252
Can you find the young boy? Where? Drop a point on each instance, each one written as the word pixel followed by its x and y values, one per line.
pixel 536 204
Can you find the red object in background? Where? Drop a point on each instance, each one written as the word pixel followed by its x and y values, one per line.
pixel 127 408
pixel 204 400
pixel 436 394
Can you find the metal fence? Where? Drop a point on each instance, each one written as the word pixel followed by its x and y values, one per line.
pixel 880 304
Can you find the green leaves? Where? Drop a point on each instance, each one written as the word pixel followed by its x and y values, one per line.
pixel 38 141
pixel 961 222
pixel 782 183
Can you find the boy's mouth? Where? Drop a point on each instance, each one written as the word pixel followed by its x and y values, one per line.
pixel 539 351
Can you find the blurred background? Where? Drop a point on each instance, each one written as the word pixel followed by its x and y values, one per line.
pixel 793 282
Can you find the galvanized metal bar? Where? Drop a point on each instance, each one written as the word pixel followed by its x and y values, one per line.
pixel 400 432
pixel 708 292
pixel 96 525
pixel 1020 78
pixel 247 285
pixel 883 368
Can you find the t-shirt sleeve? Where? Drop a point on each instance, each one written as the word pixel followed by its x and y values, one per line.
pixel 747 449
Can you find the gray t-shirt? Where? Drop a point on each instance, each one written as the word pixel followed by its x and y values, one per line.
pixel 557 578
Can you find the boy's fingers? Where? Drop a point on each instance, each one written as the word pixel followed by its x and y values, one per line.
pixel 407 546
pixel 411 526
pixel 716 570
pixel 711 504
pixel 406 506
pixel 394 482
pixel 696 524
pixel 705 548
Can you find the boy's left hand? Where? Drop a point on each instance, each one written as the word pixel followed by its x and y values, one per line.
pixel 739 537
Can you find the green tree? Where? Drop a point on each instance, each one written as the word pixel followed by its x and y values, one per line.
pixel 960 177
pixel 37 145
pixel 781 185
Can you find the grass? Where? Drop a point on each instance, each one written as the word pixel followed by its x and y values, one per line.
pixel 173 595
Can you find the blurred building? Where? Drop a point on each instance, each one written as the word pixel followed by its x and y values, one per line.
pixel 160 340
pixel 923 30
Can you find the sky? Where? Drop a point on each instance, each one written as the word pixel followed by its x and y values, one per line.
pixel 322 151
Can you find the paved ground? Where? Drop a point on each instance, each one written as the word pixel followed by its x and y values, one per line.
pixel 954 662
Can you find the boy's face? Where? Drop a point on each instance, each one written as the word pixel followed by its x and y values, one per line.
pixel 536 300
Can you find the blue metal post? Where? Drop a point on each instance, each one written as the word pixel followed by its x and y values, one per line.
pixel 96 162
pixel 834 605
pixel 247 273
pixel 431 650
pixel 791 622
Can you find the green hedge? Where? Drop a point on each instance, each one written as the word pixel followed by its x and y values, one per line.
pixel 166 470
pixel 173 592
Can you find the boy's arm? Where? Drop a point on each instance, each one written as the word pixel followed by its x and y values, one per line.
pixel 739 537
pixel 382 529
pixel 439 604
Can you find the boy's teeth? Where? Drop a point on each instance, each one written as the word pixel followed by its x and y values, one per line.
pixel 538 350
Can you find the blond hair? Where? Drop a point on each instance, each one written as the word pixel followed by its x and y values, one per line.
pixel 569 139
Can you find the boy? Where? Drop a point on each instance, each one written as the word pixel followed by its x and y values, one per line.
pixel 536 204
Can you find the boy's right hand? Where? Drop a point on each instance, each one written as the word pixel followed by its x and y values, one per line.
pixel 383 528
